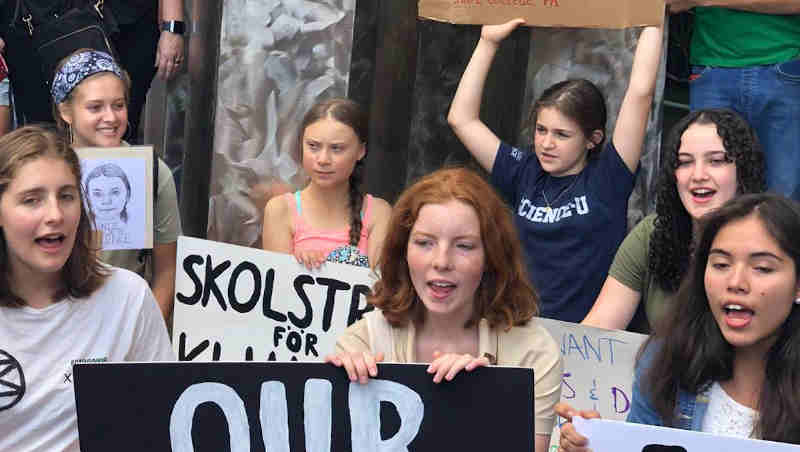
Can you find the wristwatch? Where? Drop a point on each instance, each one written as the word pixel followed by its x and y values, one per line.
pixel 174 26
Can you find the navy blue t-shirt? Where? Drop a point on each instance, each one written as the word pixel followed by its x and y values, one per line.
pixel 569 246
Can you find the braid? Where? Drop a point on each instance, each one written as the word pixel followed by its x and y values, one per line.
pixel 356 202
pixel 352 115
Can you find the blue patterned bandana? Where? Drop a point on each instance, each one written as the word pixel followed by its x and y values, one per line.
pixel 77 68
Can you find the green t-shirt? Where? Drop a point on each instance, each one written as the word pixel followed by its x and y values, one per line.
pixel 731 38
pixel 631 267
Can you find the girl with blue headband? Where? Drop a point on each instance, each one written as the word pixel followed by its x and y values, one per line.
pixel 90 103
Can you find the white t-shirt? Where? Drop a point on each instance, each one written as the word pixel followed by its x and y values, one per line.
pixel 727 417
pixel 120 321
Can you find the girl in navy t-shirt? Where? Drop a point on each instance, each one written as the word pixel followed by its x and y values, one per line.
pixel 570 194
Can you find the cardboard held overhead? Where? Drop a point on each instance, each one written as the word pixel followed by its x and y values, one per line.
pixel 547 13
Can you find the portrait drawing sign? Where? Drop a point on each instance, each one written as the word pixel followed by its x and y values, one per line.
pixel 117 185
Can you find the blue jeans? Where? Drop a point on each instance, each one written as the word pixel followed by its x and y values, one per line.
pixel 769 99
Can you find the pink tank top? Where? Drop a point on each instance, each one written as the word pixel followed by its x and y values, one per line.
pixel 334 243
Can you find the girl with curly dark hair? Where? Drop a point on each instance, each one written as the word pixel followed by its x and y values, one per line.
pixel 710 157
pixel 454 293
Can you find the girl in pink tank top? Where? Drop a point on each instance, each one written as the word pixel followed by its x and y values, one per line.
pixel 331 219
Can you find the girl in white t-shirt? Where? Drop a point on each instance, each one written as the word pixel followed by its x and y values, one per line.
pixel 58 304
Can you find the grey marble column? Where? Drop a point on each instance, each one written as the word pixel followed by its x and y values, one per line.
pixel 277 59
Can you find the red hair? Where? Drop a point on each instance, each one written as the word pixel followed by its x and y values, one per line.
pixel 505 297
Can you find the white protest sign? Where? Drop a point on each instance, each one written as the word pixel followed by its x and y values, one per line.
pixel 118 192
pixel 606 435
pixel 234 303
pixel 598 368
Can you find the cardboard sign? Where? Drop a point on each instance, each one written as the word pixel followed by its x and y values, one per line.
pixel 234 303
pixel 547 13
pixel 618 436
pixel 313 407
pixel 598 368
pixel 118 191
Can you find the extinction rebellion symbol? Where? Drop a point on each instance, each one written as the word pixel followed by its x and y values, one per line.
pixel 12 381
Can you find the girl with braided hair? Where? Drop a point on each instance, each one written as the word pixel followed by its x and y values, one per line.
pixel 710 157
pixel 331 219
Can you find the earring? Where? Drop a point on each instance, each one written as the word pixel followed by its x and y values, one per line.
pixel 69 133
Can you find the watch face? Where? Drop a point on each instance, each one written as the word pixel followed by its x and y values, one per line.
pixel 174 26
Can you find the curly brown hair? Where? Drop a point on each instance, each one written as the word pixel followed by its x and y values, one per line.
pixel 670 246
pixel 505 297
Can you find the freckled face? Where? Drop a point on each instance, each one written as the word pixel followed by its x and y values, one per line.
pixel 446 259
pixel 751 284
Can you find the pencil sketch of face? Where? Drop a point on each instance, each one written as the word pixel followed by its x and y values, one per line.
pixel 109 191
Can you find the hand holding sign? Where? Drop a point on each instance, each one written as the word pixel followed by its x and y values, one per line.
pixel 571 440
pixel 448 365
pixel 311 259
pixel 497 33
pixel 360 366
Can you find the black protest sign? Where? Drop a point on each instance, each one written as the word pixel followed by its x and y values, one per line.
pixel 241 304
pixel 311 407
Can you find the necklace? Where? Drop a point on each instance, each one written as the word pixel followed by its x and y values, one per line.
pixel 549 207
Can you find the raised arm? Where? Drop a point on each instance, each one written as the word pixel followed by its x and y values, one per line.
pixel 464 115
pixel 632 120
pixel 615 306
pixel 755 6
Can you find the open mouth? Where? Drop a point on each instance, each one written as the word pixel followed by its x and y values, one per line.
pixel 441 289
pixel 736 315
pixel 50 240
pixel 703 193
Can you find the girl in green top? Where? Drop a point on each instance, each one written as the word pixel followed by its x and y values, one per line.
pixel 710 157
